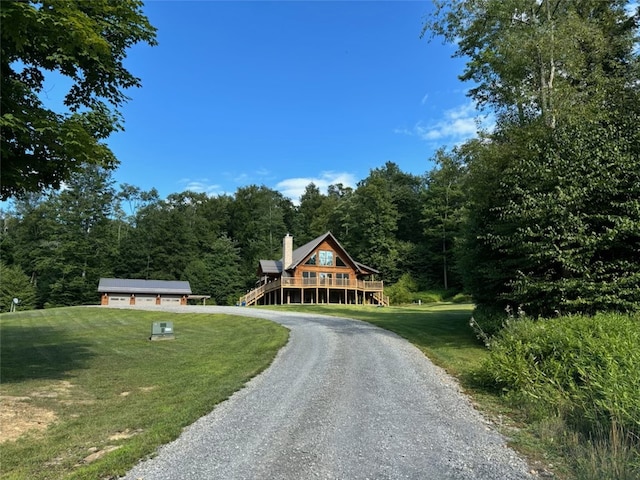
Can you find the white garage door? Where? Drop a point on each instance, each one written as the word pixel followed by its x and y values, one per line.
pixel 145 299
pixel 118 300
pixel 170 301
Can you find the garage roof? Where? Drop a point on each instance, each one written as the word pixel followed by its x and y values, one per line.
pixel 125 285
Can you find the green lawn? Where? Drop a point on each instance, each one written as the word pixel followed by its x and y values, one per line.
pixel 108 386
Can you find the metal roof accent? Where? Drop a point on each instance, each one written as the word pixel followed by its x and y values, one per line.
pixel 365 269
pixel 271 266
pixel 125 285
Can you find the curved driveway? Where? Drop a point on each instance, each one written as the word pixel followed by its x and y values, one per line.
pixel 342 400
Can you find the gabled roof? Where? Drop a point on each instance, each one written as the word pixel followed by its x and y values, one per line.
pixel 300 253
pixel 124 285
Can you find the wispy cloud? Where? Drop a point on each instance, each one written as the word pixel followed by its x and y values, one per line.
pixel 203 185
pixel 293 188
pixel 455 126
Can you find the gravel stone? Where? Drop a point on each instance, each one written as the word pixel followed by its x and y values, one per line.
pixel 342 400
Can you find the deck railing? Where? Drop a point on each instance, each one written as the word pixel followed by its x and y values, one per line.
pixel 292 282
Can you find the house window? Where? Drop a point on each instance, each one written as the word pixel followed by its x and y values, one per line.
pixel 312 260
pixel 326 257
pixel 342 279
pixel 309 278
pixel 325 279
pixel 339 262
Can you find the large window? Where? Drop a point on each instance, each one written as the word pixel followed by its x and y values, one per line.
pixel 309 278
pixel 326 257
pixel 342 279
pixel 325 279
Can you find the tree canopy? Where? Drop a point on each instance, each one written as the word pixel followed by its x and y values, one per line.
pixel 86 42
pixel 553 217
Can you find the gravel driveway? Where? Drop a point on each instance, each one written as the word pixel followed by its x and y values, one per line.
pixel 342 400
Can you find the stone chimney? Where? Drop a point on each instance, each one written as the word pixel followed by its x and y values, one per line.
pixel 287 251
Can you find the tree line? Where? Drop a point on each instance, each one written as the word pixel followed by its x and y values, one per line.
pixel 541 214
pixel 62 242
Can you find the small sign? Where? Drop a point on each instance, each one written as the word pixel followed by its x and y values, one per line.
pixel 162 331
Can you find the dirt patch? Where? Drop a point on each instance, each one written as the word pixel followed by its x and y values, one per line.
pixel 18 416
pixel 124 434
pixel 97 454
pixel 59 389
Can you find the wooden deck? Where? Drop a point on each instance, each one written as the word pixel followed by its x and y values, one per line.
pixel 280 291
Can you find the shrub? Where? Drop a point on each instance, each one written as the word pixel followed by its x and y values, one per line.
pixel 427 297
pixel 401 291
pixel 461 298
pixel 585 368
pixel 488 321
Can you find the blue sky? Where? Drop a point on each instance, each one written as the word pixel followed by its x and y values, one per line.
pixel 286 93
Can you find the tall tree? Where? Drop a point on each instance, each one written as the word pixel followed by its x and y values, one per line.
pixel 554 223
pixel 85 242
pixel 539 59
pixel 84 41
pixel 310 226
pixel 443 203
pixel 217 273
pixel 369 220
pixel 260 218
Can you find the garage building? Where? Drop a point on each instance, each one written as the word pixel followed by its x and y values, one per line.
pixel 121 291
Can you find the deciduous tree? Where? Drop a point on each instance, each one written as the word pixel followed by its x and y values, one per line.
pixel 84 41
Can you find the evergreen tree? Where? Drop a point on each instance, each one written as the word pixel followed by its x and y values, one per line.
pixel 553 192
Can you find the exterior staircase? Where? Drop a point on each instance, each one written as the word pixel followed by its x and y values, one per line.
pixel 381 298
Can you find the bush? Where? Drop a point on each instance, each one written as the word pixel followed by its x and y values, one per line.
pixel 402 291
pixel 461 298
pixel 14 283
pixel 426 297
pixel 488 321
pixel 587 369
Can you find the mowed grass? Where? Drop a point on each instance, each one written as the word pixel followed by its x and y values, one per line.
pixel 108 386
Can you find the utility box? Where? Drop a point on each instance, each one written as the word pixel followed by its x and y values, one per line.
pixel 162 331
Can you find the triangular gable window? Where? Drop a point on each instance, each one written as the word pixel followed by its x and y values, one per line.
pixel 312 260
pixel 339 262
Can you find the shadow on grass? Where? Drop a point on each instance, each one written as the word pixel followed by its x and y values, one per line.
pixel 39 353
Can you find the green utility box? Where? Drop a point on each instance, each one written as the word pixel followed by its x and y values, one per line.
pixel 162 331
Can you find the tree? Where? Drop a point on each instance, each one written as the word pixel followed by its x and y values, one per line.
pixel 443 203
pixel 369 220
pixel 554 219
pixel 545 59
pixel 311 202
pixel 86 42
pixel 217 273
pixel 15 285
pixel 82 239
pixel 258 223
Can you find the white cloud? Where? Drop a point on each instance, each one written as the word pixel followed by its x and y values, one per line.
pixel 293 188
pixel 455 126
pixel 201 186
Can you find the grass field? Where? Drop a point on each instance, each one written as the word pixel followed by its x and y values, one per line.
pixel 96 384
pixel 95 395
